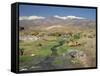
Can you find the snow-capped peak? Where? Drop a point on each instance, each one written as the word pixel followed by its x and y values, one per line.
pixel 30 17
pixel 68 17
pixel 75 17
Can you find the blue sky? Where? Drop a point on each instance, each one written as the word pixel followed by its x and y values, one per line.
pixel 34 10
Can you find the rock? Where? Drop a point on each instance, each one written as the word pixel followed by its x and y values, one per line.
pixel 24 69
pixel 77 57
pixel 73 53
pixel 32 54
pixel 29 38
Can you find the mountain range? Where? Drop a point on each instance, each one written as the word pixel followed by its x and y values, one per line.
pixel 37 21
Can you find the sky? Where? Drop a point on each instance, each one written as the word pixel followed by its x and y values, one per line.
pixel 45 11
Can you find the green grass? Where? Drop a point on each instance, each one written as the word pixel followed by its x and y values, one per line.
pixel 43 50
pixel 58 62
pixel 62 49
pixel 25 58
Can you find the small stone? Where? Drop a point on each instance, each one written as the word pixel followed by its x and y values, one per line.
pixel 24 69
pixel 32 54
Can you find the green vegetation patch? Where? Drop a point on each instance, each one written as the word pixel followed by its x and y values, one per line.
pixel 25 58
pixel 58 62
pixel 62 49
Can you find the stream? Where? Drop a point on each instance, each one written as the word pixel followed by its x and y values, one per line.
pixel 54 48
pixel 47 63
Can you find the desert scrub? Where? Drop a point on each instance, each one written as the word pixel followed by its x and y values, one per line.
pixel 75 61
pixel 76 36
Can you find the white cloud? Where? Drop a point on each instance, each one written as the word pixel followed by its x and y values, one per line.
pixel 31 17
pixel 68 17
